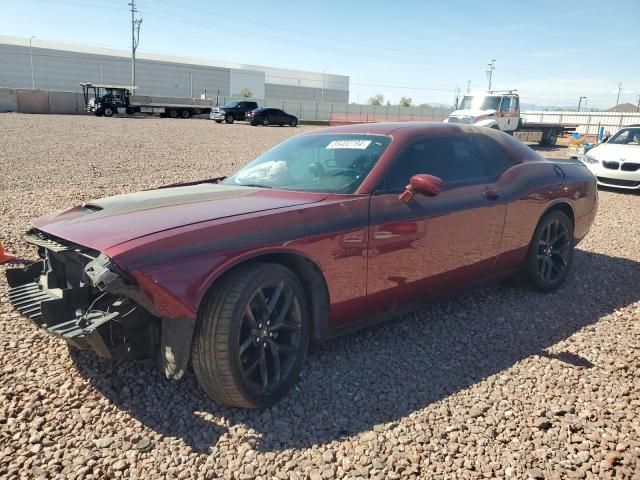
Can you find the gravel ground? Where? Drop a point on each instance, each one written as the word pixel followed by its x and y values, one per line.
pixel 501 382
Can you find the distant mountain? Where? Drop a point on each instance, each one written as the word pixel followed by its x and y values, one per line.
pixel 624 108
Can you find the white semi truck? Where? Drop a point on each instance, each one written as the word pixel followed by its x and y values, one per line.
pixel 106 100
pixel 501 110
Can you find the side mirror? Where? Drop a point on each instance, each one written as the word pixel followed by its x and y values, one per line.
pixel 423 184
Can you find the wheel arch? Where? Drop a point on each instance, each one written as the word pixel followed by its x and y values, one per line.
pixel 561 205
pixel 306 270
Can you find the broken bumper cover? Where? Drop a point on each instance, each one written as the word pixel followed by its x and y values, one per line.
pixel 61 312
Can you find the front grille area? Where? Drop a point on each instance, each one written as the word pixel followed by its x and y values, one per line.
pixel 611 165
pixel 28 299
pixel 58 293
pixel 618 182
pixel 630 167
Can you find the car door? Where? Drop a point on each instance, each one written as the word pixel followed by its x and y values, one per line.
pixel 433 244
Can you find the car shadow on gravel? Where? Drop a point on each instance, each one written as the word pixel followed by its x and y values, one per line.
pixel 384 373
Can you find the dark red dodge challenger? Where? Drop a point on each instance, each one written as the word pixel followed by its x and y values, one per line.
pixel 329 231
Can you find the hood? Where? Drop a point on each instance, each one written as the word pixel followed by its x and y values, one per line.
pixel 104 223
pixel 472 113
pixel 615 152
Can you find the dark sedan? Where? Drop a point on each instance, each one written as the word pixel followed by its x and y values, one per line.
pixel 271 116
pixel 329 231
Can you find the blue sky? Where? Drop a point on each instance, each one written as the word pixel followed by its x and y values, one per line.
pixel 552 52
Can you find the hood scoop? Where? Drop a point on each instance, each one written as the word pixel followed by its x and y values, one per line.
pixel 91 207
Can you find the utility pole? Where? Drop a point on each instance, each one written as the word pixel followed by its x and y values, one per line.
pixel 468 86
pixel 637 108
pixel 492 67
pixel 135 40
pixel 455 99
pixel 33 81
pixel 580 102
pixel 619 91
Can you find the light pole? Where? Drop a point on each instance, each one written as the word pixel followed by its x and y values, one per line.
pixel 100 73
pixel 322 97
pixel 580 102
pixel 33 81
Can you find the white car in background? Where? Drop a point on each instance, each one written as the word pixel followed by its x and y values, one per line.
pixel 616 163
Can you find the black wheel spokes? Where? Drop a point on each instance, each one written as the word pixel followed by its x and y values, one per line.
pixel 553 251
pixel 270 336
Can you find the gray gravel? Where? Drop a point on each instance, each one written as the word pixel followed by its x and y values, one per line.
pixel 501 382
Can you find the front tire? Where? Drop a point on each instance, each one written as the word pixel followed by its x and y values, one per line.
pixel 218 121
pixel 108 112
pixel 266 122
pixel 550 254
pixel 229 118
pixel 173 113
pixel 294 122
pixel 252 336
pixel 185 114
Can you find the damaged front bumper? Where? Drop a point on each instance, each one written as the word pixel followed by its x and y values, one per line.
pixel 79 295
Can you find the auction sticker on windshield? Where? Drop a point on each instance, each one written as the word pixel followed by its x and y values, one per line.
pixel 349 144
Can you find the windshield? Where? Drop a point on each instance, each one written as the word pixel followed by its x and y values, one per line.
pixel 316 163
pixel 470 102
pixel 626 136
pixel 232 104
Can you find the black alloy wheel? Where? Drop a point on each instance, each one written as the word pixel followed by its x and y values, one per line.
pixel 270 337
pixel 551 251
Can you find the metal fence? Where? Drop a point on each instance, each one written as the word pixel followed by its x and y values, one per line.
pixel 45 101
pixel 588 122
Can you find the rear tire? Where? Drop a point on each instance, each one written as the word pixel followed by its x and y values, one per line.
pixel 218 121
pixel 173 113
pixel 108 112
pixel 185 114
pixel 252 336
pixel 266 122
pixel 550 254
pixel 229 118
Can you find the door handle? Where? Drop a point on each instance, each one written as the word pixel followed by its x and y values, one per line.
pixel 490 194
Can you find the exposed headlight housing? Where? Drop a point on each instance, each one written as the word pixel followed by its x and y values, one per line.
pixel 589 159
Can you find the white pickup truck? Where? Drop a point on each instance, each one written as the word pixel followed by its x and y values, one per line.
pixel 501 110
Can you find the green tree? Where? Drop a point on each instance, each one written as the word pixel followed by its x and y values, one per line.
pixel 405 101
pixel 246 93
pixel 377 100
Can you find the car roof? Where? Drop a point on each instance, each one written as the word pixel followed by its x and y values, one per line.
pixel 408 129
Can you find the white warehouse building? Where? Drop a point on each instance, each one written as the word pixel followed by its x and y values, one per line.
pixel 61 67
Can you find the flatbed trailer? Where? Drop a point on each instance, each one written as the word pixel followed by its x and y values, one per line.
pixel 107 100
pixel 544 133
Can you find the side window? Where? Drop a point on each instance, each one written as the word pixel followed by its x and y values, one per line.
pixel 492 157
pixel 505 106
pixel 451 158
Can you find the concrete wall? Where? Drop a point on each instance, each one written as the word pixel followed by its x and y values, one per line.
pixel 33 101
pixel 8 100
pixel 65 102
